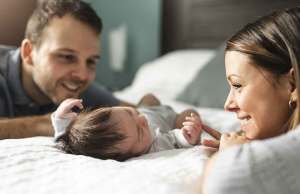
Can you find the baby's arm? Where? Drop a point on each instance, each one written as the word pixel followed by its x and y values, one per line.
pixel 192 129
pixel 63 116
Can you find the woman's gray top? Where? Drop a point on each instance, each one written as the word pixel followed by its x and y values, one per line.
pixel 271 167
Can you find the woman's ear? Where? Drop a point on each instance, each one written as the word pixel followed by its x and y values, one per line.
pixel 26 52
pixel 292 88
pixel 291 80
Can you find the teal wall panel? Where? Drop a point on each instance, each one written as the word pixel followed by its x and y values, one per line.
pixel 142 18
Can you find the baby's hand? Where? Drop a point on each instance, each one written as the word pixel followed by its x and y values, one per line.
pixel 192 129
pixel 64 110
pixel 233 138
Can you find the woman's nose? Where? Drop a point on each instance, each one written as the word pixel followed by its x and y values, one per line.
pixel 230 104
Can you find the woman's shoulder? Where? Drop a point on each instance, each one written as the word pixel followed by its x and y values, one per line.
pixel 269 166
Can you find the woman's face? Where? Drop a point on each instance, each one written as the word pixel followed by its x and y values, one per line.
pixel 259 100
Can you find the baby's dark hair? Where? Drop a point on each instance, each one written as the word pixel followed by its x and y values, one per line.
pixel 93 133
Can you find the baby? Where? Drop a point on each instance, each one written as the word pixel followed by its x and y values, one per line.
pixel 123 132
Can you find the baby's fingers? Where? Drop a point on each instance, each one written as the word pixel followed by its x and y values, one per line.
pixel 74 102
pixel 66 107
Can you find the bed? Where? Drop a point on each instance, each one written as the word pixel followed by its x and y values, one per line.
pixel 190 73
pixel 35 165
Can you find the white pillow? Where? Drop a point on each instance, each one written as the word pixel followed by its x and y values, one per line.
pixel 166 76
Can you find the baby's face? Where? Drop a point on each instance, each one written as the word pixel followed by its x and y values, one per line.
pixel 135 127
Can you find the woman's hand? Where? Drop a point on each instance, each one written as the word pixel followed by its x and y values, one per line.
pixel 233 138
pixel 225 140
pixel 214 143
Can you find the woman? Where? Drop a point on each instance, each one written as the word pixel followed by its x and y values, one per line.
pixel 262 68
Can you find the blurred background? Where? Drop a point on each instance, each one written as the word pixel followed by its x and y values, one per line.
pixel 138 31
pixel 131 34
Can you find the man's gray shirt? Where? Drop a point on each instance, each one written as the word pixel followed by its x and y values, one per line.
pixel 15 102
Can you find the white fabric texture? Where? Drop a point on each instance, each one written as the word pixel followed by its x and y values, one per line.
pixel 34 165
pixel 261 167
pixel 167 76
pixel 161 121
pixel 59 125
pixel 168 140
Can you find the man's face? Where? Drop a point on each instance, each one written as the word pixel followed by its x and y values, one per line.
pixel 64 64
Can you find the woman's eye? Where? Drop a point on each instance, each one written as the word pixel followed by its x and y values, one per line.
pixel 236 86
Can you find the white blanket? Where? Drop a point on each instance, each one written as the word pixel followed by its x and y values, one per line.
pixel 34 165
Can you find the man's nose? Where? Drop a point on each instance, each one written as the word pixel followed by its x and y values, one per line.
pixel 80 72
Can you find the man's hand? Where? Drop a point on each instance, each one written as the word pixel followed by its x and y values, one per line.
pixel 192 129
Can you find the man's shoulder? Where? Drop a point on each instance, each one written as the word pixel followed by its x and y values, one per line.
pixel 4 54
pixel 97 95
pixel 5 49
pixel 94 89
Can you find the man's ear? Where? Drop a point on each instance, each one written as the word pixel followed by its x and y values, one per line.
pixel 26 52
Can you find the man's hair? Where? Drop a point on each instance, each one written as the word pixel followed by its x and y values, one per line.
pixel 46 10
pixel 94 134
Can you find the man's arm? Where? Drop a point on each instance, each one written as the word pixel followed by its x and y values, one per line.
pixel 23 127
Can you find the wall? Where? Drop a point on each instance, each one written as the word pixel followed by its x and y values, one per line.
pixel 13 18
pixel 142 18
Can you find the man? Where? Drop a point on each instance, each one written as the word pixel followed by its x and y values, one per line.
pixel 57 60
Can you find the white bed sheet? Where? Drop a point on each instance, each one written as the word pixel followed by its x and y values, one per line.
pixel 35 165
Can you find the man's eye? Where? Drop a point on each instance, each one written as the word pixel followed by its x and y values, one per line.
pixel 65 57
pixel 91 64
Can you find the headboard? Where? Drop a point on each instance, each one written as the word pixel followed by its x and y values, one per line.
pixel 208 23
